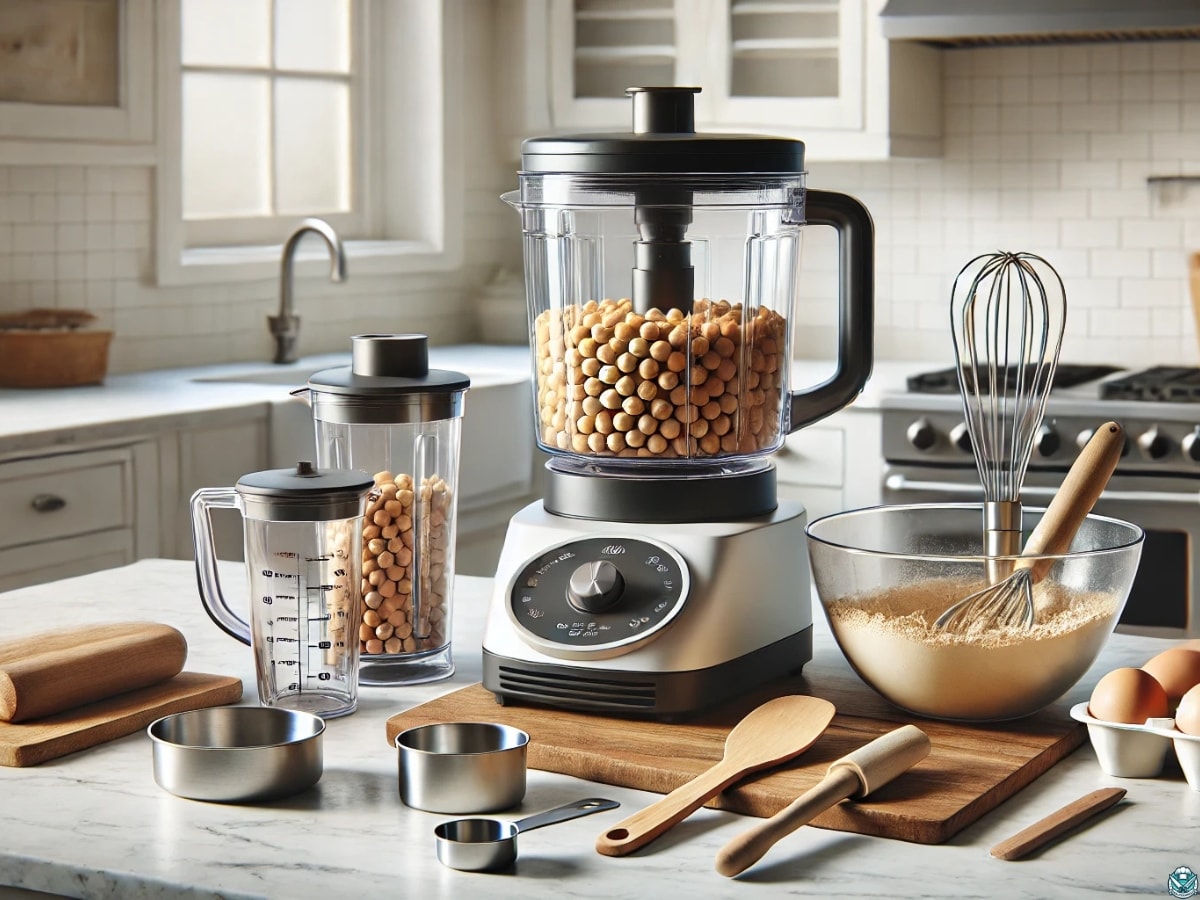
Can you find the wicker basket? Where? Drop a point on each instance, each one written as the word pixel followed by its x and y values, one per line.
pixel 47 358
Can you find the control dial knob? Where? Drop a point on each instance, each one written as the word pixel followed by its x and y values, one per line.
pixel 1084 436
pixel 960 436
pixel 1047 441
pixel 595 586
pixel 1154 444
pixel 921 434
pixel 1191 445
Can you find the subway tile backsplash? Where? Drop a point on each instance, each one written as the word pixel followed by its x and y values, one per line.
pixel 1046 150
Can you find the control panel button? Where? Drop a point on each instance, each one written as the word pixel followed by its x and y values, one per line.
pixel 595 586
pixel 1154 444
pixel 921 434
pixel 1047 441
pixel 1191 445
pixel 960 437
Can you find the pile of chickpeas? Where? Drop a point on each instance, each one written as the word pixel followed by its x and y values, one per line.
pixel 389 537
pixel 614 382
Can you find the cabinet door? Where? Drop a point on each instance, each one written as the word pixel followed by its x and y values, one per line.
pixel 799 65
pixel 217 456
pixel 818 70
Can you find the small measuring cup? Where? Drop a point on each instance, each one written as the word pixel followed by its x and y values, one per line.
pixel 303 533
pixel 484 845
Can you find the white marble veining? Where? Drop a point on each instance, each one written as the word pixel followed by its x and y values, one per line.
pixel 95 824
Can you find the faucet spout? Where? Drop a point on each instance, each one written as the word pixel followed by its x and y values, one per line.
pixel 285 327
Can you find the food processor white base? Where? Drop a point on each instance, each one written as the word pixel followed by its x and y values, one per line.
pixel 640 619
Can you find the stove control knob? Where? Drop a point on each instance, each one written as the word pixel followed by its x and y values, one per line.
pixel 1047 441
pixel 960 436
pixel 921 434
pixel 1086 435
pixel 1154 444
pixel 1191 445
pixel 595 586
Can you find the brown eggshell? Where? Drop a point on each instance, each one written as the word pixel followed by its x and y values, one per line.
pixel 1187 716
pixel 1130 696
pixel 1177 670
pixel 1193 644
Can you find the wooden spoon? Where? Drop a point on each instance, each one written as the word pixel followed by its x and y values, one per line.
pixel 775 732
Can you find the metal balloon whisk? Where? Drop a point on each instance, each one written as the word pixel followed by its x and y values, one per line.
pixel 1007 313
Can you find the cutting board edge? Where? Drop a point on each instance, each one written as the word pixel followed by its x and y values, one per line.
pixel 224 689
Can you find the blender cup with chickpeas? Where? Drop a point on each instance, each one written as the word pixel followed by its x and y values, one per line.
pixel 388 414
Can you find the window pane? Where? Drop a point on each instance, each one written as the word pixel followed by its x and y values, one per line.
pixel 226 145
pixel 312 146
pixel 312 35
pixel 226 32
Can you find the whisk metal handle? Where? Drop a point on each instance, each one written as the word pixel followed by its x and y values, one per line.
pixel 856 306
pixel 1080 490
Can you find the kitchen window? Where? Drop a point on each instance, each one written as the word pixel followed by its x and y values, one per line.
pixel 273 110
pixel 271 117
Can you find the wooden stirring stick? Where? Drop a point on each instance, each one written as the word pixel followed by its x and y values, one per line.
pixel 1057 823
pixel 854 775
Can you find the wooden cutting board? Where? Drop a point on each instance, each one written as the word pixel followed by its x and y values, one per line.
pixel 970 770
pixel 35 741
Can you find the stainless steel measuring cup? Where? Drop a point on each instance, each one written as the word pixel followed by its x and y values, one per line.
pixel 483 845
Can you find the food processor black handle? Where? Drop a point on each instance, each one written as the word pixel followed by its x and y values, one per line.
pixel 856 306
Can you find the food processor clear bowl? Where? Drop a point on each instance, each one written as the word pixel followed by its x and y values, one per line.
pixel 661 270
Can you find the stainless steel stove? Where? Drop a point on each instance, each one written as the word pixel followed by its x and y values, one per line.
pixel 1156 485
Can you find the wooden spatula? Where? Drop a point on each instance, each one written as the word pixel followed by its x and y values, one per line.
pixel 775 732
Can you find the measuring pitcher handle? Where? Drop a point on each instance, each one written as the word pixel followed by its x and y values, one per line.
pixel 856 306
pixel 203 502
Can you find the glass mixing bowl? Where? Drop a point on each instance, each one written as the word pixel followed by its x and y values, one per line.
pixel 884 574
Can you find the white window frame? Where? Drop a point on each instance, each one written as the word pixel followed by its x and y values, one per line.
pixel 412 86
pixel 50 134
pixel 356 221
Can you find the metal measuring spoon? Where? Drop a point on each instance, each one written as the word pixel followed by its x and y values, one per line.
pixel 481 845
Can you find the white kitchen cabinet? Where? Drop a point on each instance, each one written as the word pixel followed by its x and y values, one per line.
pixel 74 513
pixel 818 70
pixel 214 455
pixel 833 465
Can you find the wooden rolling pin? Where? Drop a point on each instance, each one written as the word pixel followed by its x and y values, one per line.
pixel 47 673
pixel 854 775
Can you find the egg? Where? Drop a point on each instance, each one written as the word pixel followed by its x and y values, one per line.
pixel 1128 695
pixel 1177 670
pixel 1193 644
pixel 1187 716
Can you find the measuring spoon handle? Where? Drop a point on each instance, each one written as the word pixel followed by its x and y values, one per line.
pixel 564 813
pixel 648 823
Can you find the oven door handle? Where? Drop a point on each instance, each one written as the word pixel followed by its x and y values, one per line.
pixel 902 483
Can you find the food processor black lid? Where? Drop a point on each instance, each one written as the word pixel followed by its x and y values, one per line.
pixel 663 141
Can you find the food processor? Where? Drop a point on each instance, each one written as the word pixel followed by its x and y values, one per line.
pixel 660 573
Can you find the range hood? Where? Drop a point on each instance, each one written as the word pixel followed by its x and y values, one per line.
pixel 964 23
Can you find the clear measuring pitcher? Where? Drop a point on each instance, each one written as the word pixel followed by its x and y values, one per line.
pixel 303 531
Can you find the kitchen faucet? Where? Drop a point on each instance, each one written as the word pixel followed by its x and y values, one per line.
pixel 285 327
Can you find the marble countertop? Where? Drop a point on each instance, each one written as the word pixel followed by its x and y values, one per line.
pixel 95 824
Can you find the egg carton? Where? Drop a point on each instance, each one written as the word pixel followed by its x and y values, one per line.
pixel 1139 751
